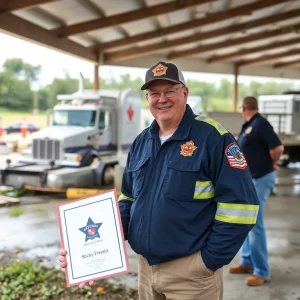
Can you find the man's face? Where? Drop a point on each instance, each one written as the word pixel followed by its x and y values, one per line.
pixel 167 101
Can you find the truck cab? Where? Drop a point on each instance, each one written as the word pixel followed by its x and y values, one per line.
pixel 90 132
pixel 86 125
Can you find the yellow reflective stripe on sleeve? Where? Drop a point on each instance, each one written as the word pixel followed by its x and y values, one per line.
pixel 203 183
pixel 204 190
pixel 235 219
pixel 238 206
pixel 123 197
pixel 237 213
pixel 213 123
pixel 204 195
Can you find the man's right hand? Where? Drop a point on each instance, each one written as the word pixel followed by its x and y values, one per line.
pixel 62 258
pixel 63 264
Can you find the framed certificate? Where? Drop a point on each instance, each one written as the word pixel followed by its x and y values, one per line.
pixel 91 232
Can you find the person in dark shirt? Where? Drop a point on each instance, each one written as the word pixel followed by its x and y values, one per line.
pixel 262 149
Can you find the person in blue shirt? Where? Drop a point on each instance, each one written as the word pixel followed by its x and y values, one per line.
pixel 262 149
pixel 188 200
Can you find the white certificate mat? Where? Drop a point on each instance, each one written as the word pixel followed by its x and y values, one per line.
pixel 91 232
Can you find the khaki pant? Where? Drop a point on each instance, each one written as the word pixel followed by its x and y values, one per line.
pixel 185 278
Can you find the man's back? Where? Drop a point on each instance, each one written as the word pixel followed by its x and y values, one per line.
pixel 256 139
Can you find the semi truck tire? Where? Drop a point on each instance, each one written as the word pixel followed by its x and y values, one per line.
pixel 108 175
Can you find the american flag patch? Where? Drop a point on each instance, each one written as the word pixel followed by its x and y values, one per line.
pixel 235 156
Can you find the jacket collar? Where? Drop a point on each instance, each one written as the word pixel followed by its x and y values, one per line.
pixel 251 120
pixel 183 130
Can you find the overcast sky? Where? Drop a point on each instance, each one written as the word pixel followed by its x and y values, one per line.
pixel 56 64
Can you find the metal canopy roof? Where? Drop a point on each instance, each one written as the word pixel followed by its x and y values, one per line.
pixel 259 37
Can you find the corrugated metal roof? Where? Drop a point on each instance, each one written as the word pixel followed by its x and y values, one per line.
pixel 199 35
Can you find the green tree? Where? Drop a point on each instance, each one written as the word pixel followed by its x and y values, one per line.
pixel 22 70
pixel 243 91
pixel 60 86
pixel 272 87
pixel 225 89
pixel 15 93
pixel 255 88
pixel 206 90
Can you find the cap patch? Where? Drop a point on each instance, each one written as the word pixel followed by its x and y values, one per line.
pixel 235 156
pixel 160 70
pixel 188 148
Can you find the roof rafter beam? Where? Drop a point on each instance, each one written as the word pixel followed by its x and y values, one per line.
pixel 12 5
pixel 234 42
pixel 130 16
pixel 94 9
pixel 24 29
pixel 266 58
pixel 287 64
pixel 264 47
pixel 135 52
pixel 212 18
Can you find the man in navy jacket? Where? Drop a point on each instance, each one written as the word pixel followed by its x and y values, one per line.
pixel 188 201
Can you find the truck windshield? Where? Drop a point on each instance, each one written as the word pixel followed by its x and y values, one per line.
pixel 74 118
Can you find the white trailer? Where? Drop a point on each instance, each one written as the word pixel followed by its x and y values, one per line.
pixel 283 112
pixel 90 130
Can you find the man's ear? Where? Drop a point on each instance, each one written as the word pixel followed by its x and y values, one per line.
pixel 186 93
pixel 147 99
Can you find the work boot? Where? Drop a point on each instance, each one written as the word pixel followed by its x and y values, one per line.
pixel 239 269
pixel 256 280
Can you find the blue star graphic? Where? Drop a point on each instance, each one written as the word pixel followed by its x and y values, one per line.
pixel 91 230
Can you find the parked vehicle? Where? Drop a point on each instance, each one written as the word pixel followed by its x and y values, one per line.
pixel 283 112
pixel 89 131
pixel 16 127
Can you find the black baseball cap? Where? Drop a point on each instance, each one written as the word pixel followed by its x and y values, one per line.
pixel 163 71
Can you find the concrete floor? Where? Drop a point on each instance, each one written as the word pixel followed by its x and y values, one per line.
pixel 35 233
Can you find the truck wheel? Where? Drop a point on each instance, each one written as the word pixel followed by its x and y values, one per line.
pixel 108 175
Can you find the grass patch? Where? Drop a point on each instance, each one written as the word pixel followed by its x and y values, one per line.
pixel 12 116
pixel 16 211
pixel 27 280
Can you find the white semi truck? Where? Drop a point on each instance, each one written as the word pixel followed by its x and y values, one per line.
pixel 90 130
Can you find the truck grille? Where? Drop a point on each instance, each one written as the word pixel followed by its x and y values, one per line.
pixel 47 149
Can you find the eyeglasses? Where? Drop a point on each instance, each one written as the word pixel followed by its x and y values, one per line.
pixel 168 93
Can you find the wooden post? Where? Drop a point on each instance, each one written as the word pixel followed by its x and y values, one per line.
pixel 235 87
pixel 96 78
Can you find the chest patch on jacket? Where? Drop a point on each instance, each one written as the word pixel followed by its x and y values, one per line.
pixel 188 148
pixel 248 130
pixel 235 156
